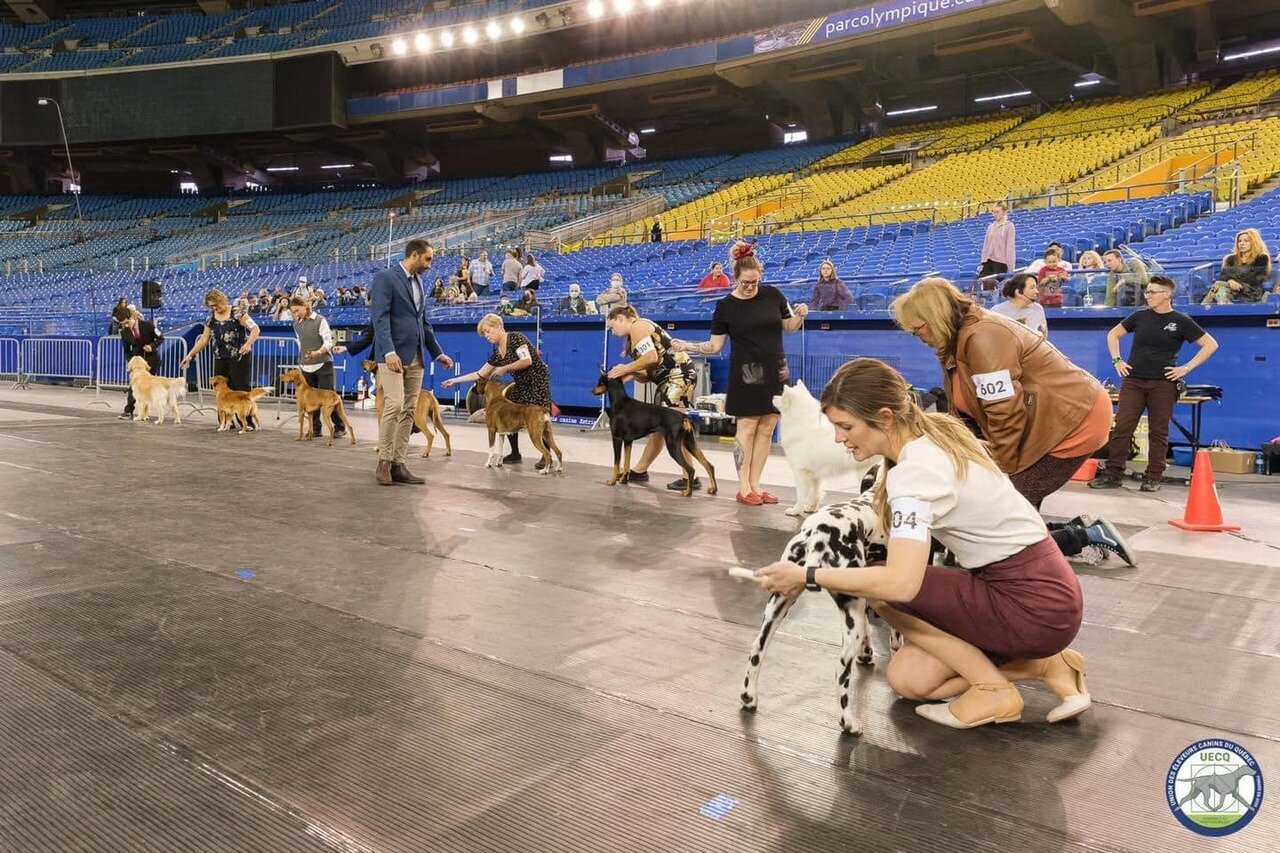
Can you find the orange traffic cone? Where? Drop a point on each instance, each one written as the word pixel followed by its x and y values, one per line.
pixel 1203 510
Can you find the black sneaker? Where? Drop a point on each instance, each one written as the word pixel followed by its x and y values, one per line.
pixel 1104 535
pixel 1149 485
pixel 638 477
pixel 512 459
pixel 125 416
pixel 1105 481
pixel 679 485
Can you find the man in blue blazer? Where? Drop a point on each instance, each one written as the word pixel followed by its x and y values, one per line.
pixel 400 332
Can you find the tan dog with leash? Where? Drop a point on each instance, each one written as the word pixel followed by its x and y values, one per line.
pixel 425 413
pixel 316 400
pixel 504 417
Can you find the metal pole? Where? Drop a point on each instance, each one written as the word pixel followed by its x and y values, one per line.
pixel 391 221
pixel 66 146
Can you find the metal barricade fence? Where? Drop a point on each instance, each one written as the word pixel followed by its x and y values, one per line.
pixel 55 358
pixel 112 367
pixel 816 370
pixel 11 359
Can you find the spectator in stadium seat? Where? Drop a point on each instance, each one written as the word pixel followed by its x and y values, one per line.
pixel 1038 264
pixel 752 318
pixel 466 293
pixel 528 301
pixel 830 294
pixel 998 253
pixel 532 273
pixel 1022 302
pixel 318 299
pixel 1244 273
pixel 715 279
pixel 1150 378
pixel 254 308
pixel 511 268
pixel 119 315
pixel 575 303
pixel 463 272
pixel 1041 415
pixel 655 233
pixel 505 308
pixel 242 301
pixel 302 288
pixel 1090 267
pixel 280 309
pixel 481 274
pixel 437 291
pixel 232 335
pixel 1051 276
pixel 1125 279
pixel 614 297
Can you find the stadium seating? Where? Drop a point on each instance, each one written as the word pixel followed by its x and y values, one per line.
pixel 1239 97
pixel 1143 111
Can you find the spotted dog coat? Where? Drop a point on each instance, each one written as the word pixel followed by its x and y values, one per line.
pixel 836 536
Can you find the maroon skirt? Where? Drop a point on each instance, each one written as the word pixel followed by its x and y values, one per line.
pixel 1028 605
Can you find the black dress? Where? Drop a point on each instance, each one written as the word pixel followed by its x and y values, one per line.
pixel 532 385
pixel 757 364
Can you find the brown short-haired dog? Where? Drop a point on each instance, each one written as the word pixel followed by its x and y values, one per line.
pixel 316 400
pixel 235 406
pixel 425 413
pixel 504 417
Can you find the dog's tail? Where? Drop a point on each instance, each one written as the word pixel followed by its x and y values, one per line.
pixel 179 387
pixel 255 393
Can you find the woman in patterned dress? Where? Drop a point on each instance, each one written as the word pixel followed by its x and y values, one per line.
pixel 653 359
pixel 512 354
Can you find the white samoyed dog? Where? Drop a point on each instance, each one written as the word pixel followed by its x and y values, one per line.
pixel 809 440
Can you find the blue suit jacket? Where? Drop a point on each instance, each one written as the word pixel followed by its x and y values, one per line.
pixel 398 326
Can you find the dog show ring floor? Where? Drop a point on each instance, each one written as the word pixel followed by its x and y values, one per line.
pixel 224 642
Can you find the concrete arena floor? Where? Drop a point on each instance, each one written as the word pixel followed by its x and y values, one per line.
pixel 233 643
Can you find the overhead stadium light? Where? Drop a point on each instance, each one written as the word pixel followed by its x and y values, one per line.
pixel 517 25
pixel 595 9
pixel 446 38
pixel 1246 54
pixel 470 36
pixel 624 7
pixel 493 30
pixel 399 48
pixel 648 130
pixel 1084 84
pixel 653 4
pixel 1002 97
pixel 282 168
pixel 422 42
pixel 906 111
pixel 339 166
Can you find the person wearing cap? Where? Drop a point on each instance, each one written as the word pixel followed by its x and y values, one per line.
pixel 303 288
pixel 574 303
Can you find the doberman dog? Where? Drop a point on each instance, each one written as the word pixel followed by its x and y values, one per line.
pixel 630 419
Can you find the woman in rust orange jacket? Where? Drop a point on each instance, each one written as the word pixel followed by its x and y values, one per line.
pixel 1041 415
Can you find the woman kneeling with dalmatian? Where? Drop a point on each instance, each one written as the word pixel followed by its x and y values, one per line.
pixel 970 633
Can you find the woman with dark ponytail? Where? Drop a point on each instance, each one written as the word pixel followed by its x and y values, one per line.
pixel 1007 616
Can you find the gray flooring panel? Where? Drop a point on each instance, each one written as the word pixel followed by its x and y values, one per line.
pixel 503 661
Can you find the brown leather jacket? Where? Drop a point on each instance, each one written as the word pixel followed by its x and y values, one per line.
pixel 1025 396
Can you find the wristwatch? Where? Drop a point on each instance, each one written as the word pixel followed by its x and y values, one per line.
pixel 810 581
pixel 1117 360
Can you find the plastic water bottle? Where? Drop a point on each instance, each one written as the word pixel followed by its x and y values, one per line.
pixel 1088 298
pixel 1259 464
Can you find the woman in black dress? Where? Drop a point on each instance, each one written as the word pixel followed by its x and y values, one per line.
pixel 752 317
pixel 232 333
pixel 513 354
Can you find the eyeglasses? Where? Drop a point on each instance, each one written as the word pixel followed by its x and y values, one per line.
pixel 916 330
pixel 1155 291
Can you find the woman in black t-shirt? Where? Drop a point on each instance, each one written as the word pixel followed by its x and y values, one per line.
pixel 1151 377
pixel 752 317
pixel 232 334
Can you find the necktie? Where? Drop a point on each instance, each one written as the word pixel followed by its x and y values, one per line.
pixel 417 294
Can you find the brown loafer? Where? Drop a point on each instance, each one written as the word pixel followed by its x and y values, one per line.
pixel 400 474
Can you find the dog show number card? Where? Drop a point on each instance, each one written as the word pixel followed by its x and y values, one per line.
pixel 994 386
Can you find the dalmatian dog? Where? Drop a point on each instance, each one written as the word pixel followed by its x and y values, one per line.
pixel 840 535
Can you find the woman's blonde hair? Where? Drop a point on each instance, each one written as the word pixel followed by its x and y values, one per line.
pixel 217 297
pixel 935 305
pixel 488 321
pixel 865 387
pixel 1090 260
pixel 1259 247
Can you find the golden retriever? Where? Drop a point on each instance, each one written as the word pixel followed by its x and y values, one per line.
pixel 154 392
pixel 316 400
pixel 504 417
pixel 233 406
pixel 425 413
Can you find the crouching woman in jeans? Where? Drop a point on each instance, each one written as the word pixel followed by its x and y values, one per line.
pixel 1007 616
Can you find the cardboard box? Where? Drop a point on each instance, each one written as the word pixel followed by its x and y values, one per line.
pixel 1227 461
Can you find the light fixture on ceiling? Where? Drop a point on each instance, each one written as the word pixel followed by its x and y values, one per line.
pixel 1247 54
pixel 422 42
pixel 282 168
pixel 339 166
pixel 906 111
pixel 492 30
pixel 595 9
pixel 648 130
pixel 470 36
pixel 446 39
pixel 399 47
pixel 517 25
pixel 624 7
pixel 1004 96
